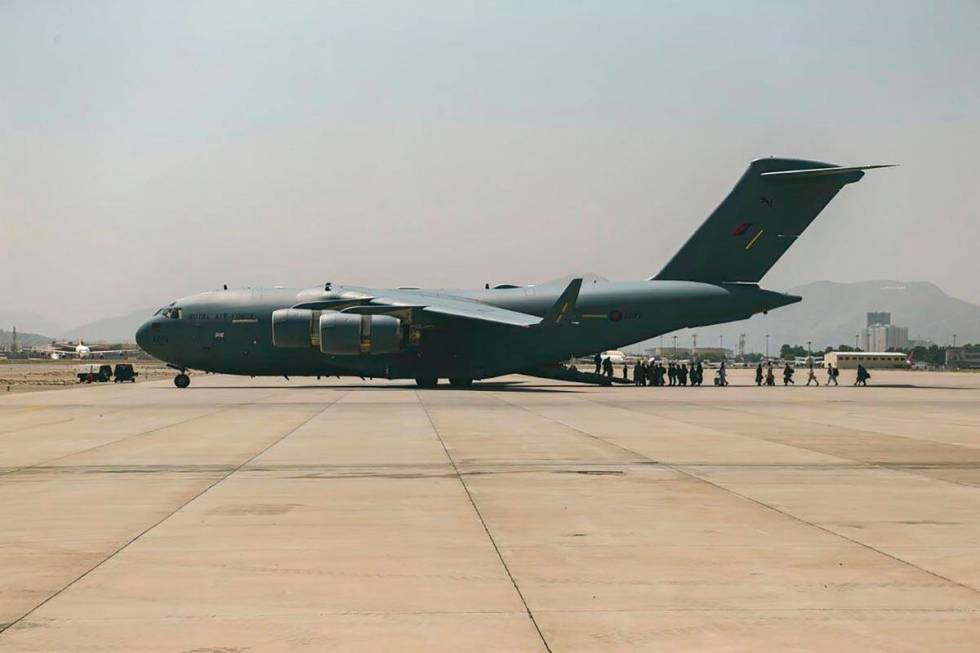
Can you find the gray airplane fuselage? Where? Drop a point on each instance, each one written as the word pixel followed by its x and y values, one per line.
pixel 230 331
pixel 464 335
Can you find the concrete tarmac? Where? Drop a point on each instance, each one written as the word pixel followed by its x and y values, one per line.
pixel 266 515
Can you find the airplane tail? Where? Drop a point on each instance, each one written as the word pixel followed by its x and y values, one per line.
pixel 770 206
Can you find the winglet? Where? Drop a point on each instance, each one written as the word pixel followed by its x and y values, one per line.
pixel 561 311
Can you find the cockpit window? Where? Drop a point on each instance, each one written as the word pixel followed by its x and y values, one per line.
pixel 170 312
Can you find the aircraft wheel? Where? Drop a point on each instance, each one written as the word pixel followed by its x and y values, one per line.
pixel 182 380
pixel 427 381
pixel 461 383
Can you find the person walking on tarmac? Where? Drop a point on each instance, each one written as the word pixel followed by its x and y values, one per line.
pixel 700 373
pixel 863 376
pixel 597 359
pixel 788 375
pixel 758 375
pixel 770 377
pixel 832 373
pixel 812 375
pixel 607 367
pixel 682 374
pixel 671 374
pixel 626 371
pixel 722 374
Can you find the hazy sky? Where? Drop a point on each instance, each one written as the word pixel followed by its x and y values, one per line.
pixel 153 150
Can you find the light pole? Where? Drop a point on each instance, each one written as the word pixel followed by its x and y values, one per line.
pixel 767 346
pixel 694 340
pixel 675 347
pixel 809 349
pixel 857 336
pixel 954 341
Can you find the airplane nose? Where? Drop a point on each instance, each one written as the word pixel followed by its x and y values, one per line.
pixel 143 337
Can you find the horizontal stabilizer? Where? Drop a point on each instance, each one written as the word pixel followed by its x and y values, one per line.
pixel 820 172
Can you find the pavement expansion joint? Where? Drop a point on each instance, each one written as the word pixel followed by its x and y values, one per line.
pixel 486 528
pixel 165 518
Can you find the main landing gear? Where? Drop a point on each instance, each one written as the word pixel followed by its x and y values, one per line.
pixel 431 382
pixel 182 380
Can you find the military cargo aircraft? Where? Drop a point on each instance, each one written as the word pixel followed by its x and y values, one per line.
pixel 467 335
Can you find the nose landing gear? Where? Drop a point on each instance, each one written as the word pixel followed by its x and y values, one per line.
pixel 182 380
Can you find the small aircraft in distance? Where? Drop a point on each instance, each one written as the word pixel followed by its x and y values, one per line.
pixel 81 350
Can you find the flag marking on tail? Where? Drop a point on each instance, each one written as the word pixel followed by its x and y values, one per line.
pixel 754 238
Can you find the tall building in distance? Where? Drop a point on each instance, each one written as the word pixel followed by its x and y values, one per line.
pixel 879 317
pixel 882 337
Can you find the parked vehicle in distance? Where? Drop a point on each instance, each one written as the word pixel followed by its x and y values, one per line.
pixel 92 372
pixel 125 372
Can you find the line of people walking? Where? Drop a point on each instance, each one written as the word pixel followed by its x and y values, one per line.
pixel 660 373
pixel 670 373
pixel 768 377
pixel 656 373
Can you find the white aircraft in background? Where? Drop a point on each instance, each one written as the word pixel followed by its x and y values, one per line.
pixel 617 357
pixel 81 350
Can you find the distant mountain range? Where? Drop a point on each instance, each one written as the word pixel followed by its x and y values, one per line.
pixel 829 315
pixel 28 322
pixel 113 329
pixel 25 339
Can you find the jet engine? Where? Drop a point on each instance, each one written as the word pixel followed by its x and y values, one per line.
pixel 345 334
pixel 295 328
pixel 336 333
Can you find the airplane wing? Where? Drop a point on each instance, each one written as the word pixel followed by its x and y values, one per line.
pixel 451 307
pixel 480 312
pixel 469 309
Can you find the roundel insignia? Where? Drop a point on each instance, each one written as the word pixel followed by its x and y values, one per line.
pixel 615 315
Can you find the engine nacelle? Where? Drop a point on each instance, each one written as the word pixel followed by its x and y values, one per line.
pixel 295 327
pixel 349 334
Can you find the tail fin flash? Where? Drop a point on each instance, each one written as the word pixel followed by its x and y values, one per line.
pixel 770 206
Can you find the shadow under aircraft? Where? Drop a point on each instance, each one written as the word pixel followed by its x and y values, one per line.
pixel 467 335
